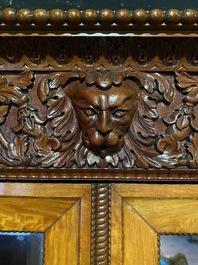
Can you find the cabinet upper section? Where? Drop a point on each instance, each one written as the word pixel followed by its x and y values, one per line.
pixel 85 106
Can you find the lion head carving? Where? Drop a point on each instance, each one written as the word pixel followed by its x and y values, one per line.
pixel 104 104
pixel 103 118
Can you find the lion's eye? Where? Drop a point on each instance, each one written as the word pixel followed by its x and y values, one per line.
pixel 119 113
pixel 89 112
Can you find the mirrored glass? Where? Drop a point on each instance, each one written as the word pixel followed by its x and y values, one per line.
pixel 178 250
pixel 21 248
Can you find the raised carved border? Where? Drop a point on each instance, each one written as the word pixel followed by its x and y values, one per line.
pixel 105 175
pixel 68 53
pixel 90 20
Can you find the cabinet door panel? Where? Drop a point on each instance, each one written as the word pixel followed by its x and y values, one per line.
pixel 146 212
pixel 61 212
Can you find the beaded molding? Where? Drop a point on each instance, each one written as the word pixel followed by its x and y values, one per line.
pixel 91 18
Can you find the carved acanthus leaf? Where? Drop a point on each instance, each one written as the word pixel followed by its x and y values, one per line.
pixel 192 151
pixel 143 134
pixel 29 121
pixel 23 81
pixel 10 93
pixel 46 131
pixel 54 81
pixel 62 116
pixel 158 87
pixel 184 118
pixel 18 148
pixel 140 142
pixel 47 152
pixel 189 86
pixel 172 151
pixel 14 151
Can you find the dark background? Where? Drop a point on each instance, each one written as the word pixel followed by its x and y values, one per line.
pixel 21 248
pixel 100 4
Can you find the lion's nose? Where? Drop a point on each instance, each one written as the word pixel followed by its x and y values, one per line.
pixel 103 125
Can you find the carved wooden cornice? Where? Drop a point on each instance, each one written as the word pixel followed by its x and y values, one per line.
pixel 99 108
pixel 44 124
pixel 66 53
pixel 74 21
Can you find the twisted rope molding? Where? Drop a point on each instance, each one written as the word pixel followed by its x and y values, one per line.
pixel 100 236
pixel 106 17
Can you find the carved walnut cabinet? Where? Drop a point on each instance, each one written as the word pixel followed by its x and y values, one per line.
pixel 99 131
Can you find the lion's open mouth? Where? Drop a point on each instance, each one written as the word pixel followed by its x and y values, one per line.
pixel 103 147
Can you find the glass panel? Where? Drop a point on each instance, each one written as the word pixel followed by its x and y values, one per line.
pixel 178 250
pixel 21 248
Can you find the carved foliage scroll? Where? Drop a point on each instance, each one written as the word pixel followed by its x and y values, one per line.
pixel 99 119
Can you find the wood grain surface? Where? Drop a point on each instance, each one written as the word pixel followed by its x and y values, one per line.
pixel 156 190
pixel 62 212
pixel 140 244
pixel 143 212
pixel 31 214
pixel 42 190
pixel 62 239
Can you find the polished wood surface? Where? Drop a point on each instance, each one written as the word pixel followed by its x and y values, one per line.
pixel 75 119
pixel 146 212
pixel 92 97
pixel 58 251
pixel 137 236
pixel 62 212
pixel 116 229
pixel 159 191
pixel 31 214
pixel 180 214
pixel 42 190
pixel 120 21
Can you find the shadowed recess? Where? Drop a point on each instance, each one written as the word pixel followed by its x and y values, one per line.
pixel 21 248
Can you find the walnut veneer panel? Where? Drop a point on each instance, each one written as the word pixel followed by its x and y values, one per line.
pixel 141 213
pixel 31 214
pixel 63 217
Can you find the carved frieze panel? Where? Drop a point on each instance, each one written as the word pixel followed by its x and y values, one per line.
pixel 140 54
pixel 99 119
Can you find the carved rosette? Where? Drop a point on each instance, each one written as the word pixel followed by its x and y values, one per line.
pixel 99 119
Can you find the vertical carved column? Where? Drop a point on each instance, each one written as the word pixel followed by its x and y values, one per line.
pixel 100 245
